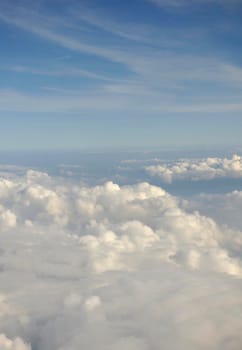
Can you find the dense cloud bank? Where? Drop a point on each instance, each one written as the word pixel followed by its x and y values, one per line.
pixel 16 344
pixel 223 208
pixel 197 170
pixel 112 267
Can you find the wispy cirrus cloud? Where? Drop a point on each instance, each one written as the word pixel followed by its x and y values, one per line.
pixel 41 28
pixel 141 68
pixel 69 72
pixel 153 62
pixel 111 99
pixel 188 3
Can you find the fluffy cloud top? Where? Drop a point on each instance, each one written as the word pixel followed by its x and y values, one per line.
pixel 16 344
pixel 196 170
pixel 113 267
pixel 224 208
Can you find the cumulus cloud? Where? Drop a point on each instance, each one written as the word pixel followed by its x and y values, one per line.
pixel 197 170
pixel 16 344
pixel 224 208
pixel 113 267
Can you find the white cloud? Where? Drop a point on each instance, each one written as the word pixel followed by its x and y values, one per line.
pixel 110 267
pixel 197 170
pixel 16 344
pixel 224 208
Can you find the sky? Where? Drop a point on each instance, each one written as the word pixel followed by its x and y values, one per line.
pixel 120 174
pixel 120 74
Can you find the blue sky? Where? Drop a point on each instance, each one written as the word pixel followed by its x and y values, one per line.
pixel 114 74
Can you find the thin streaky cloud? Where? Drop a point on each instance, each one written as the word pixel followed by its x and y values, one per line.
pixel 188 3
pixel 131 32
pixel 128 60
pixel 109 101
pixel 61 39
pixel 155 65
pixel 64 72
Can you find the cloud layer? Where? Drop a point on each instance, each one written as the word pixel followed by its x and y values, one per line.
pixel 198 170
pixel 113 267
pixel 224 208
pixel 16 344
